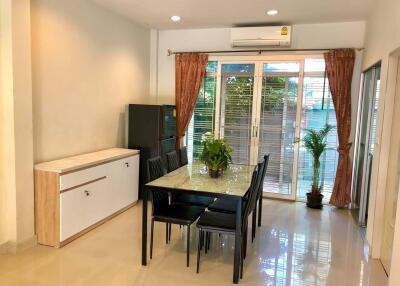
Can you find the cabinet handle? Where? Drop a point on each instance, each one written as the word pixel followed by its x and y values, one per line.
pixel 127 164
pixel 87 193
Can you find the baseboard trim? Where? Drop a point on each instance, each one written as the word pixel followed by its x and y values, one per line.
pixel 16 247
pixel 4 247
pixel 26 243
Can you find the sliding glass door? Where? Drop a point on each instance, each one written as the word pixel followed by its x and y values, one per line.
pixel 278 128
pixel 237 103
pixel 365 141
pixel 258 115
pixel 263 106
pixel 317 110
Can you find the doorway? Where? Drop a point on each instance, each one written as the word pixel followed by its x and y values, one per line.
pixel 262 105
pixel 265 107
pixel 365 142
pixel 259 115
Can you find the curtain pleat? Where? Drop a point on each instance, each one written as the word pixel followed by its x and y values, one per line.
pixel 339 67
pixel 190 70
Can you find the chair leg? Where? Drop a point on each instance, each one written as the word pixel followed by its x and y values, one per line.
pixel 253 224
pixel 169 232
pixel 188 246
pixel 241 261
pixel 199 246
pixel 166 233
pixel 201 240
pixel 245 235
pixel 151 238
pixel 205 242
pixel 260 210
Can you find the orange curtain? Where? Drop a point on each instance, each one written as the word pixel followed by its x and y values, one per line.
pixel 190 70
pixel 339 67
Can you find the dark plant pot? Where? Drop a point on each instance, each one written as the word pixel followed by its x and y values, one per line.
pixel 314 201
pixel 214 173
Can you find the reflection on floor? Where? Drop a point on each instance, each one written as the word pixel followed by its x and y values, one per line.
pixel 295 246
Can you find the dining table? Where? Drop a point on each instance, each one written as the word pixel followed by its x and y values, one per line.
pixel 194 179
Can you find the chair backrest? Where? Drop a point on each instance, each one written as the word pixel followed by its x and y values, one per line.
pixel 183 156
pixel 159 199
pixel 265 167
pixel 172 161
pixel 253 191
pixel 154 168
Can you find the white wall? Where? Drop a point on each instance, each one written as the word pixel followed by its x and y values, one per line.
pixel 88 63
pixel 64 95
pixel 307 36
pixel 16 148
pixel 382 38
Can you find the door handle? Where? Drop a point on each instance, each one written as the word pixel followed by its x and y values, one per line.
pixel 127 164
pixel 87 193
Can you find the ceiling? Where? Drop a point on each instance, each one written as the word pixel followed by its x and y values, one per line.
pixel 228 13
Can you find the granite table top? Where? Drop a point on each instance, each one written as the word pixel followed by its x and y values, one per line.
pixel 234 181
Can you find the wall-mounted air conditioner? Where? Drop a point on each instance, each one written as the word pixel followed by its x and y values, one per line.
pixel 273 36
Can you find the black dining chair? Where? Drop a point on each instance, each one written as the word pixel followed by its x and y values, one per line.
pixel 163 211
pixel 225 223
pixel 228 205
pixel 260 198
pixel 183 156
pixel 172 162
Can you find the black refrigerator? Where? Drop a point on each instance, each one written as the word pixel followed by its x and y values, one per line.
pixel 151 129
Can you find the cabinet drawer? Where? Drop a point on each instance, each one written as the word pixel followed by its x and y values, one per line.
pixel 83 207
pixel 81 177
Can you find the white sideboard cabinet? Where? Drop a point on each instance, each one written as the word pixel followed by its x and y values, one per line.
pixel 73 195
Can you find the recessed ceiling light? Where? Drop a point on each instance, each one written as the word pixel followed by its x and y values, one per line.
pixel 272 12
pixel 175 18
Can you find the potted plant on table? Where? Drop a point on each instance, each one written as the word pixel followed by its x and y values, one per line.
pixel 315 143
pixel 216 154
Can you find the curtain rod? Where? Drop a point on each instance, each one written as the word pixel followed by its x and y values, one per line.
pixel 170 52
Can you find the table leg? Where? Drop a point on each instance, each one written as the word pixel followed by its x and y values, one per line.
pixel 260 208
pixel 238 242
pixel 144 227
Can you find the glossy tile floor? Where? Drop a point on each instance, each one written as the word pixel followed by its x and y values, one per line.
pixel 295 246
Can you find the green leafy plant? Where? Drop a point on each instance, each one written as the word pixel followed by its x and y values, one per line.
pixel 315 143
pixel 216 153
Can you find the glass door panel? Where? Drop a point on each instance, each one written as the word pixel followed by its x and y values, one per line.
pixel 317 110
pixel 365 142
pixel 277 126
pixel 237 94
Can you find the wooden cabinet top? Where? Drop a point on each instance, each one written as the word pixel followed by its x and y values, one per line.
pixel 85 160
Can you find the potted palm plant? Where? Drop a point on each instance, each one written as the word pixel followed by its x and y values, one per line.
pixel 315 143
pixel 216 154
